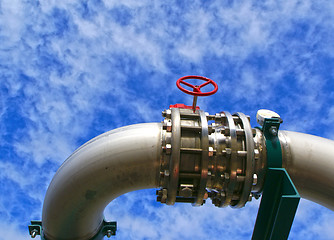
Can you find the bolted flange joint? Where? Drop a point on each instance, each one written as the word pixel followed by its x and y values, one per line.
pixel 217 156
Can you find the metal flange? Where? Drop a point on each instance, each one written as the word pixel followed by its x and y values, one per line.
pixel 203 160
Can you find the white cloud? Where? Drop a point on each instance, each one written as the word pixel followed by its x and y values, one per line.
pixel 180 220
pixel 11 231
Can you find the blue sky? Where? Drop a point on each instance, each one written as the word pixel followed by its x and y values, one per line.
pixel 71 70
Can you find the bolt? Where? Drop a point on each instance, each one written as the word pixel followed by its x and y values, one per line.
pixel 273 130
pixel 164 195
pixel 228 151
pixel 166 173
pixel 109 233
pixel 256 196
pixel 254 179
pixel 210 151
pixel 34 233
pixel 186 192
pixel 226 131
pixel 169 126
pixel 168 148
pixel 254 132
pixel 227 176
pixel 256 154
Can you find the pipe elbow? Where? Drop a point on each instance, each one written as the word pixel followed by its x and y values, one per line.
pixel 114 163
pixel 309 161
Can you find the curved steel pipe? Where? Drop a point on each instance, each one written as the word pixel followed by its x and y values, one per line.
pixel 309 161
pixel 114 163
pixel 128 159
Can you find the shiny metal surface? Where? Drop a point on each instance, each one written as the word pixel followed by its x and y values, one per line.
pixel 214 156
pixel 114 163
pixel 231 177
pixel 189 159
pixel 309 161
pixel 174 167
pixel 260 163
pixel 204 159
pixel 249 164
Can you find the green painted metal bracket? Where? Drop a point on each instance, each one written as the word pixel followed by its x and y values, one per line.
pixel 274 152
pixel 280 197
pixel 36 229
pixel 107 229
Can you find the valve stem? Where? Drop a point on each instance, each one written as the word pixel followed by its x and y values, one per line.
pixel 194 103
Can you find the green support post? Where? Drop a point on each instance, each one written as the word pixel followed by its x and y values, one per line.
pixel 280 197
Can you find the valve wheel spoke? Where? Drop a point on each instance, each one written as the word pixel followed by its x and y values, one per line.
pixel 187 84
pixel 204 84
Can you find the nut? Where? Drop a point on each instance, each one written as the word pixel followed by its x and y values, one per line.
pixel 168 148
pixel 256 154
pixel 273 130
pixel 254 179
pixel 250 197
pixel 210 151
pixel 166 173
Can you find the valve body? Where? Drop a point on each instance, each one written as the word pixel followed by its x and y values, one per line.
pixel 218 156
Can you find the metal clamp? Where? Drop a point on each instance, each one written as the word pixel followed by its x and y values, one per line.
pixel 280 197
pixel 36 229
pixel 107 229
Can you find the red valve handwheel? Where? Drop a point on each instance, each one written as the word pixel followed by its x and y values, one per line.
pixel 196 89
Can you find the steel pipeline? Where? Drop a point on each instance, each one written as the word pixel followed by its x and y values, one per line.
pixel 309 161
pixel 128 159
